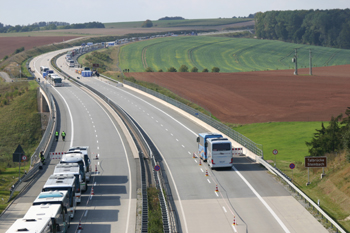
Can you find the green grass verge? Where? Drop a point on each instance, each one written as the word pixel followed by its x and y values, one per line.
pixel 289 139
pixel 178 23
pixel 20 124
pixel 229 54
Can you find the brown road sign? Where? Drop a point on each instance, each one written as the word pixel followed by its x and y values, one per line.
pixel 316 161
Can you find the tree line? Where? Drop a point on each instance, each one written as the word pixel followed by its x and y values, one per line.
pixel 333 138
pixel 330 28
pixel 48 26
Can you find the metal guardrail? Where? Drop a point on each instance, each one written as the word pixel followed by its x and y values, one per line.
pixel 46 140
pixel 303 195
pixel 144 150
pixel 241 139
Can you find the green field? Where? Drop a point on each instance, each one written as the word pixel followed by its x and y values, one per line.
pixel 229 54
pixel 178 23
pixel 287 137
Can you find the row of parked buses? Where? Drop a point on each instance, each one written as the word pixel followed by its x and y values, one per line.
pixel 55 206
pixel 52 78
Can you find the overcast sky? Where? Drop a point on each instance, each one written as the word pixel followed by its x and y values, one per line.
pixel 25 12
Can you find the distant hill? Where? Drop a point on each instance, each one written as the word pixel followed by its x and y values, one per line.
pixel 171 18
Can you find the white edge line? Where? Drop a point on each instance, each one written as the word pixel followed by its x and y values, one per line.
pixel 256 193
pixel 70 115
pixel 234 228
pixel 127 160
pixel 262 201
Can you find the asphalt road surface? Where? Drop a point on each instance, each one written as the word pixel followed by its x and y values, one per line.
pixel 247 193
pixel 113 207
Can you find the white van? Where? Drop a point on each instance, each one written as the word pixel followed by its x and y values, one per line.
pixel 72 169
pixel 85 150
pixel 219 153
pixel 43 69
pixel 70 63
pixel 56 197
pixel 57 213
pixel 79 159
pixel 37 225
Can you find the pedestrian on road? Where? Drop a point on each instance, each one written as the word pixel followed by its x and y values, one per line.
pixel 56 135
pixel 63 135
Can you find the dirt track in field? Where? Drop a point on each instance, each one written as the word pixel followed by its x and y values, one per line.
pixel 10 44
pixel 263 96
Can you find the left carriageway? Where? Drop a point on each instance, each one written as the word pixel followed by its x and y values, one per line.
pixel 87 123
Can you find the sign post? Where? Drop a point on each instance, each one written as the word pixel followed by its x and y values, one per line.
pixel 157 168
pixel 17 157
pixel 275 152
pixel 292 166
pixel 315 161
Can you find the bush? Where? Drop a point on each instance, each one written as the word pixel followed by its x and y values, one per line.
pixel 149 69
pixel 6 57
pixel 205 70
pixel 147 24
pixel 194 69
pixel 19 50
pixel 172 69
pixel 215 69
pixel 160 70
pixel 183 68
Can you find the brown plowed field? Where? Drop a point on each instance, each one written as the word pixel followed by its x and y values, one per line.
pixel 8 45
pixel 263 96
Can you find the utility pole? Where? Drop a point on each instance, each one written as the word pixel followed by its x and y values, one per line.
pixel 310 62
pixel 296 62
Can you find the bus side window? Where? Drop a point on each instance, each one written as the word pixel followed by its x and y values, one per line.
pixel 206 144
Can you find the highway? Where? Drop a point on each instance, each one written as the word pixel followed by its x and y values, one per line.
pixel 113 207
pixel 247 193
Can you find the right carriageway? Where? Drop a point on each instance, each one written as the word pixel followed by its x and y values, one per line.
pixel 247 193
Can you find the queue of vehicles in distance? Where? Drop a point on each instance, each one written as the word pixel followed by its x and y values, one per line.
pixel 55 206
pixel 51 77
pixel 215 150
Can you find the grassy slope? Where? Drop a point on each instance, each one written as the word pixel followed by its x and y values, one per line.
pixel 289 139
pixel 20 124
pixel 229 54
pixel 177 23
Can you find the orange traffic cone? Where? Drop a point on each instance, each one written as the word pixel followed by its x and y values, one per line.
pixel 234 220
pixel 206 173
pixel 80 226
pixel 92 191
pixel 96 168
pixel 193 155
pixel 200 162
pixel 96 156
pixel 217 189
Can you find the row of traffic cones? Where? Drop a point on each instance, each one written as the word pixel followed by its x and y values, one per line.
pixel 216 188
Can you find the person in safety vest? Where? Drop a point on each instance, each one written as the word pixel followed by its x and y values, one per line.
pixel 56 135
pixel 63 135
pixel 42 158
